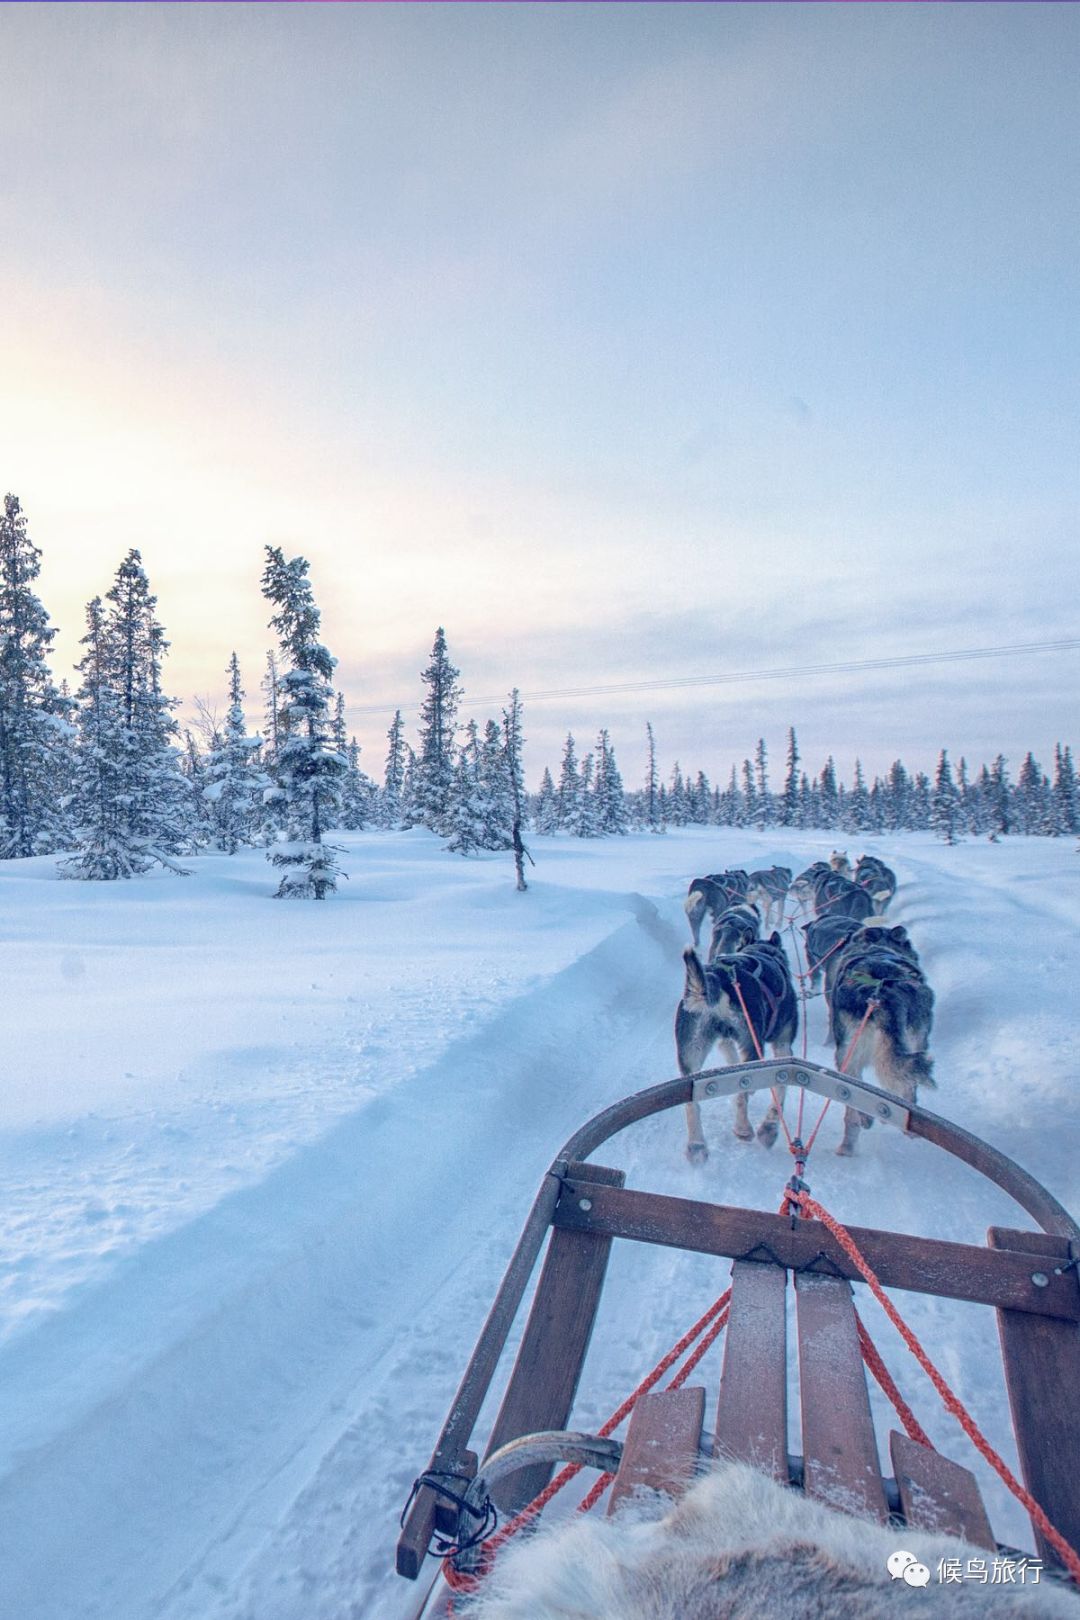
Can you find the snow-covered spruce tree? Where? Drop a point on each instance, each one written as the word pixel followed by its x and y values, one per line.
pixel 394 775
pixel 496 789
pixel 309 770
pixel 546 812
pixel 193 764
pixel 611 814
pixel 829 795
pixel 463 819
pixel 945 804
pixel 748 810
pixel 652 785
pixel 678 806
pixel 132 802
pixel 235 781
pixel 569 789
pixel 761 772
pixel 513 744
pixel 583 822
pixel 789 801
pixel 1032 797
pixel 35 718
pixel 1066 795
pixel 433 785
pixel 358 791
pixel 856 816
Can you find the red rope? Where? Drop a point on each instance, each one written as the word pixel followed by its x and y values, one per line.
pixel 872 1356
pixel 717 1315
pixel 871 1007
pixel 1068 1555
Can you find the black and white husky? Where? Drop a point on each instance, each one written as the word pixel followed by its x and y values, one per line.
pixel 881 1011
pixel 877 879
pixel 709 896
pixel 734 929
pixel 768 890
pixel 711 1011
pixel 836 896
pixel 824 938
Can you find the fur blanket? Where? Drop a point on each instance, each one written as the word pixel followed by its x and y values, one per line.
pixel 739 1547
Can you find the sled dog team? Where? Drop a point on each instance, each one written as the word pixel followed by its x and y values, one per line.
pixel 742 997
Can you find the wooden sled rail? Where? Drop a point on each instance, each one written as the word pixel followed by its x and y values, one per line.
pixel 1031 1279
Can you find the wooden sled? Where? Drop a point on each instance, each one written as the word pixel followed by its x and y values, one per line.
pixel 1030 1278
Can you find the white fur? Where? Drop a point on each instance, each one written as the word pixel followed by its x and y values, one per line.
pixel 739 1547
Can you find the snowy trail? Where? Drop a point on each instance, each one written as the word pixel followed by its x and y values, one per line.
pixel 270 1322
pixel 224 1424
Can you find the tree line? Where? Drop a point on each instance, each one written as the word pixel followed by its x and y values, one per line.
pixel 106 777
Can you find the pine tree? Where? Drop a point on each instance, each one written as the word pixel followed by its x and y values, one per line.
pixel 132 802
pixel 1000 798
pixel 611 814
pixel 584 821
pixel 569 791
pixel 235 782
pixel 652 802
pixel 270 697
pixel 678 807
pixel 789 803
pixel 857 805
pixel 1033 800
pixel 463 818
pixel 433 787
pixel 748 810
pixel 945 805
pixel 546 814
pixel 496 790
pixel 764 804
pixel 200 830
pixel 513 745
pixel 1066 797
pixel 394 774
pixel 308 768
pixel 35 719
pixel 829 795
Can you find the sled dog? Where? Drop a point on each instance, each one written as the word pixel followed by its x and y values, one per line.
pixel 877 879
pixel 881 1010
pixel 734 929
pixel 709 896
pixel 711 1011
pixel 768 890
pixel 836 896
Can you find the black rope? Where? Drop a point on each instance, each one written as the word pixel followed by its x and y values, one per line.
pixel 485 1512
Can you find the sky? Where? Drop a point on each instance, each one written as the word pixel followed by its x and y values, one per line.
pixel 629 342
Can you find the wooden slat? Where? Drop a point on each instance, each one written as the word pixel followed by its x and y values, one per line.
pixel 839 1450
pixel 937 1494
pixel 751 1417
pixel 544 1381
pixel 1041 1357
pixel 923 1265
pixel 663 1444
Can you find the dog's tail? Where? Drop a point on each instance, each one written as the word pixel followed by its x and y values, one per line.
pixel 907 1013
pixel 695 906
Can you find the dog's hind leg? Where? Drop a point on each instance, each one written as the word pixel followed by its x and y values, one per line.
pixel 769 1128
pixel 693 1041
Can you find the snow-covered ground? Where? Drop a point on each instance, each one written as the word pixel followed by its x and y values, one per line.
pixel 261 1166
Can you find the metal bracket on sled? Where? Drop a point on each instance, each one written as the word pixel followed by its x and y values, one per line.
pixel 812 1076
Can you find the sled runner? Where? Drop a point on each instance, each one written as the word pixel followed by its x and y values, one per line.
pixel 1031 1278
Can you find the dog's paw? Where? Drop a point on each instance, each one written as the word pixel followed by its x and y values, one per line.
pixel 846 1149
pixel 866 1120
pixel 767 1132
pixel 745 1133
pixel 697 1152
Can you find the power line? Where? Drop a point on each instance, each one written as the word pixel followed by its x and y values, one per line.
pixel 674 683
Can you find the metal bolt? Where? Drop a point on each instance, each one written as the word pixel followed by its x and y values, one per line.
pixel 782 1077
pixel 585 1203
pixel 1040 1279
pixel 711 1088
pixel 843 1092
pixel 801 1079
pixel 884 1110
pixel 744 1082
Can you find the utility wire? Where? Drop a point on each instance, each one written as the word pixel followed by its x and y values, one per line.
pixel 674 683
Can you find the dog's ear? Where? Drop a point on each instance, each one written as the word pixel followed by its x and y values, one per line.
pixel 774 938
pixel 899 933
pixel 695 973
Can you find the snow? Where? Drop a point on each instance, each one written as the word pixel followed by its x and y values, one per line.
pixel 261 1168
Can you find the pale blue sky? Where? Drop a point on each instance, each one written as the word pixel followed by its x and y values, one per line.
pixel 623 340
